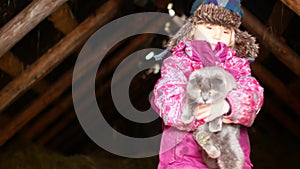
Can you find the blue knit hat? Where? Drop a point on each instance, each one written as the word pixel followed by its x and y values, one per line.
pixel 232 5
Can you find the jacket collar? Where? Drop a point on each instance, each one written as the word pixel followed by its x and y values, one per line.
pixel 200 51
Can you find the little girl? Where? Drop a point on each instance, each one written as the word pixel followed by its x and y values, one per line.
pixel 210 37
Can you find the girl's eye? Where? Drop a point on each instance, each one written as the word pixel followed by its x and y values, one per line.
pixel 226 32
pixel 208 27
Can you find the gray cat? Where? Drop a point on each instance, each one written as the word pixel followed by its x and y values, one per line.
pixel 220 143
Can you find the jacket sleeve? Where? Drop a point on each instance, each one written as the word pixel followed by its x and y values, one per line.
pixel 246 100
pixel 169 93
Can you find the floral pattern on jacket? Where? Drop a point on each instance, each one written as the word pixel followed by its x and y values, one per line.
pixel 169 91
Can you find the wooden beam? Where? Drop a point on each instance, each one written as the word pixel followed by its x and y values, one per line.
pixel 293 5
pixel 280 18
pixel 131 47
pixel 48 117
pixel 58 53
pixel 36 107
pixel 25 21
pixel 285 54
pixel 294 87
pixel 10 64
pixel 112 63
pixel 277 24
pixel 72 40
pixel 67 119
pixel 109 67
pixel 63 19
pixel 3 121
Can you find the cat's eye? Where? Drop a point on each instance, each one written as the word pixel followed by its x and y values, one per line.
pixel 199 91
pixel 212 92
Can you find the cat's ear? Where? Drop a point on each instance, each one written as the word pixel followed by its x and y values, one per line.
pixel 218 78
pixel 193 80
pixel 196 77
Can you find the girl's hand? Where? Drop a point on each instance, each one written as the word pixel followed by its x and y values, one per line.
pixel 202 111
pixel 209 112
pixel 227 121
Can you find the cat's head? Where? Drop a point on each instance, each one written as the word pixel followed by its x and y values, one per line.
pixel 207 87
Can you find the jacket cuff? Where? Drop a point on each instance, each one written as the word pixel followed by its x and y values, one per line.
pixel 235 105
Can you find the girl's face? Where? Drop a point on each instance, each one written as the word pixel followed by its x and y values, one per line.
pixel 213 34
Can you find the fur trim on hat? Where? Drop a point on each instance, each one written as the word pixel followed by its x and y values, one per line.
pixel 184 33
pixel 245 44
pixel 214 14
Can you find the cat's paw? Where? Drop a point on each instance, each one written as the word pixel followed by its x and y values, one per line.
pixel 213 152
pixel 215 125
pixel 210 162
pixel 187 119
pixel 207 145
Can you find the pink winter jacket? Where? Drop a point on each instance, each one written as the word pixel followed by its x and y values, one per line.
pixel 178 148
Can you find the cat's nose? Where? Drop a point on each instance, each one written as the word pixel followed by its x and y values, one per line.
pixel 205 100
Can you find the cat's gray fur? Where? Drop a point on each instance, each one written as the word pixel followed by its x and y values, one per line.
pixel 219 142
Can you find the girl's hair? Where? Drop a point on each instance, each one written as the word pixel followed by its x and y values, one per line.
pixel 186 33
pixel 232 38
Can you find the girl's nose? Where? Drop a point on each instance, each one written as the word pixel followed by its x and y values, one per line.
pixel 218 34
